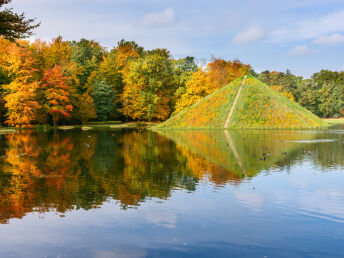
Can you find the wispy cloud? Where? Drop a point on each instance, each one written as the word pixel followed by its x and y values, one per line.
pixel 163 18
pixel 312 28
pixel 300 50
pixel 333 39
pixel 252 34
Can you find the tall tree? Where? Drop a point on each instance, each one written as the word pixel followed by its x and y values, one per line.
pixel 104 97
pixel 56 94
pixel 149 85
pixel 87 54
pixel 183 70
pixel 84 109
pixel 20 98
pixel 15 26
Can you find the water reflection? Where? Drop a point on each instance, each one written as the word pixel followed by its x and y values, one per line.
pixel 62 171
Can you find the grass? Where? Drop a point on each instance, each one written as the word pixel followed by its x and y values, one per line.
pixel 258 107
pixel 210 112
pixel 334 121
pixel 7 130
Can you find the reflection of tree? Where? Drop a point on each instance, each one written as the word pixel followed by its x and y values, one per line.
pixel 69 170
pixel 58 161
pixel 17 183
pixel 206 170
pixel 150 168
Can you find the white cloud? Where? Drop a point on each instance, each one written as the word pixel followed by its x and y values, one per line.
pixel 332 39
pixel 166 17
pixel 312 28
pixel 250 35
pixel 300 50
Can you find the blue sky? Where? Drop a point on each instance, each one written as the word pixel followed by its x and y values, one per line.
pixel 302 35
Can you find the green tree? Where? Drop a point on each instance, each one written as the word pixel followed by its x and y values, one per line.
pixel 103 96
pixel 14 26
pixel 87 54
pixel 288 81
pixel 309 96
pixel 330 87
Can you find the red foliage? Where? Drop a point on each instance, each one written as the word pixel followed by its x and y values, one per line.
pixel 56 93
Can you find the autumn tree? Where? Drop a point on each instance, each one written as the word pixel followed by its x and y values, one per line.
pixel 84 109
pixel 57 94
pixel 4 80
pixel 57 52
pixel 114 67
pixel 149 86
pixel 20 96
pixel 15 26
pixel 183 71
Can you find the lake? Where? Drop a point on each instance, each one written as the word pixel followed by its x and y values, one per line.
pixel 137 193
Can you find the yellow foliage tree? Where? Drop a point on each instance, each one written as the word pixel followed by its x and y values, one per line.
pixel 148 87
pixel 20 101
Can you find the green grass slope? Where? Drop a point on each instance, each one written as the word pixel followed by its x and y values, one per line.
pixel 258 107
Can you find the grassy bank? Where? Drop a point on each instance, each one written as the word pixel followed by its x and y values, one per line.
pixel 334 121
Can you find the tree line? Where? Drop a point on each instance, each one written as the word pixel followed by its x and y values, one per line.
pixel 74 81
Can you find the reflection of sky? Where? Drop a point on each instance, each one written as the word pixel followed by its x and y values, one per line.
pixel 272 213
pixel 294 208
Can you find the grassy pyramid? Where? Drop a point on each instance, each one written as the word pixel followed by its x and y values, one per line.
pixel 258 106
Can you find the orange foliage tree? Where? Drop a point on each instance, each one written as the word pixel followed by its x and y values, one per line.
pixel 57 52
pixel 21 91
pixel 57 94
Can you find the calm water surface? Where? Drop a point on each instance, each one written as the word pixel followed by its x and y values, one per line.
pixel 131 193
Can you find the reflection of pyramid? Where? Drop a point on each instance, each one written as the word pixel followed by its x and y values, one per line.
pixel 233 150
pixel 244 104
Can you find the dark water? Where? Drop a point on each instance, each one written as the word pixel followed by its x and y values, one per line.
pixel 130 193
